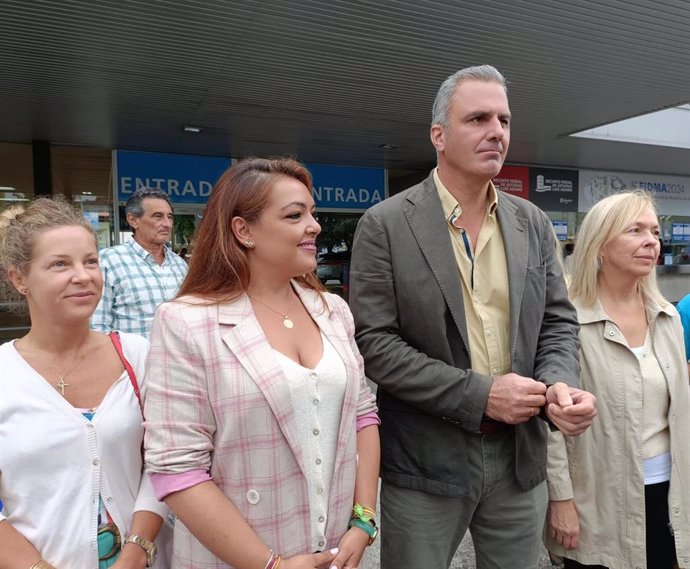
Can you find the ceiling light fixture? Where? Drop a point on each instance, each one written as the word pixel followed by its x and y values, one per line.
pixel 192 129
pixel 388 146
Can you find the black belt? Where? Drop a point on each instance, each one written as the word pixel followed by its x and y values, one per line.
pixel 491 427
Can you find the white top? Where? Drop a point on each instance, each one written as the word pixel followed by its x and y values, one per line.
pixel 54 463
pixel 656 442
pixel 317 397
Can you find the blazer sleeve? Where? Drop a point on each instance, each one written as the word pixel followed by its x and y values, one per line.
pixel 366 402
pixel 558 349
pixel 180 424
pixel 435 387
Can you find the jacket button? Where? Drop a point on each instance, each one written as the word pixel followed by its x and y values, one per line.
pixel 612 333
pixel 253 497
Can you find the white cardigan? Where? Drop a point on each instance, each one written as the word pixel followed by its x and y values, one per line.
pixel 54 463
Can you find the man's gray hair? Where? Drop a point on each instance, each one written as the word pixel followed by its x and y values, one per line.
pixel 134 203
pixel 444 97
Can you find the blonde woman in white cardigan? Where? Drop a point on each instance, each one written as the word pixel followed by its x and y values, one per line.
pixel 72 489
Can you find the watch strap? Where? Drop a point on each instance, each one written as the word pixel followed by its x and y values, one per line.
pixel 369 528
pixel 148 546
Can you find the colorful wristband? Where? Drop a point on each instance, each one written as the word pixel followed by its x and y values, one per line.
pixel 367 527
pixel 364 513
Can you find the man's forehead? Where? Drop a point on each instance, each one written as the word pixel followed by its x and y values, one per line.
pixel 152 205
pixel 488 95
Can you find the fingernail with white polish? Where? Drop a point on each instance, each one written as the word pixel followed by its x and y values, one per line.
pixel 334 551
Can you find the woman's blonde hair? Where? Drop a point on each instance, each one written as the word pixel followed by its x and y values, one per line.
pixel 19 227
pixel 606 220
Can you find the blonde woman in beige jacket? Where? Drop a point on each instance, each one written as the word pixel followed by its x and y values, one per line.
pixel 619 493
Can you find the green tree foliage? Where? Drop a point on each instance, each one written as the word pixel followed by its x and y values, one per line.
pixel 184 229
pixel 337 230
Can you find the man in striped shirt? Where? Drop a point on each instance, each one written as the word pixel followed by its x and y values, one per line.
pixel 143 272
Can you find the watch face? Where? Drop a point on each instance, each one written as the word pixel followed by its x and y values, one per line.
pixel 374 535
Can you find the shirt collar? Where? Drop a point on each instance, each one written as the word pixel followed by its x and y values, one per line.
pixel 139 251
pixel 596 313
pixel 451 207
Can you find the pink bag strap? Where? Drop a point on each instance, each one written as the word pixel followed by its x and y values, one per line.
pixel 115 338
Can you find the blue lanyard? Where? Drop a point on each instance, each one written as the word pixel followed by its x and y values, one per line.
pixel 466 241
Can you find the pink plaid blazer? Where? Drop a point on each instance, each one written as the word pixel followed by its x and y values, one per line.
pixel 217 400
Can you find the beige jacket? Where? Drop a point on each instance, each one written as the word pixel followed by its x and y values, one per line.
pixel 602 468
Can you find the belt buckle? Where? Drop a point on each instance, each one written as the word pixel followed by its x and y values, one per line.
pixel 115 549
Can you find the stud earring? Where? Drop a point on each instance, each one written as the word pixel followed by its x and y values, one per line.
pixel 23 291
pixel 249 244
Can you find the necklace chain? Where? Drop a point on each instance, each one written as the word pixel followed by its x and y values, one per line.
pixel 61 378
pixel 289 324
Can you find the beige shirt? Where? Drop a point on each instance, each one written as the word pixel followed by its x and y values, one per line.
pixel 601 469
pixel 484 275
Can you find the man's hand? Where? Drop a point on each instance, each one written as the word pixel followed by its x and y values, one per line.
pixel 564 523
pixel 515 399
pixel 571 410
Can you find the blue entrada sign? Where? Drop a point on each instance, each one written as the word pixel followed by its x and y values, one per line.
pixel 190 179
pixel 345 187
pixel 185 178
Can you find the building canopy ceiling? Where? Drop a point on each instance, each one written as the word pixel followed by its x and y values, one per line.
pixel 331 81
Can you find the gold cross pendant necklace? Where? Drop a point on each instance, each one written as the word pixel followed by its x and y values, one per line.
pixel 61 378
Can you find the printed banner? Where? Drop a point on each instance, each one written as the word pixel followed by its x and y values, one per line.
pixel 554 190
pixel 672 193
pixel 513 180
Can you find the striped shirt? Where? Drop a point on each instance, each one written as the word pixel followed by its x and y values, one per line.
pixel 134 284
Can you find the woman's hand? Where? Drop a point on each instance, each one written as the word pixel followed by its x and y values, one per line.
pixel 564 523
pixel 310 561
pixel 351 547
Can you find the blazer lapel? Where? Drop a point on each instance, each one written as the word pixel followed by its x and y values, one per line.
pixel 426 220
pixel 334 330
pixel 516 244
pixel 248 343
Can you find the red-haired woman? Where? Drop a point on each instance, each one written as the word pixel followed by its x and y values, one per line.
pixel 262 435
